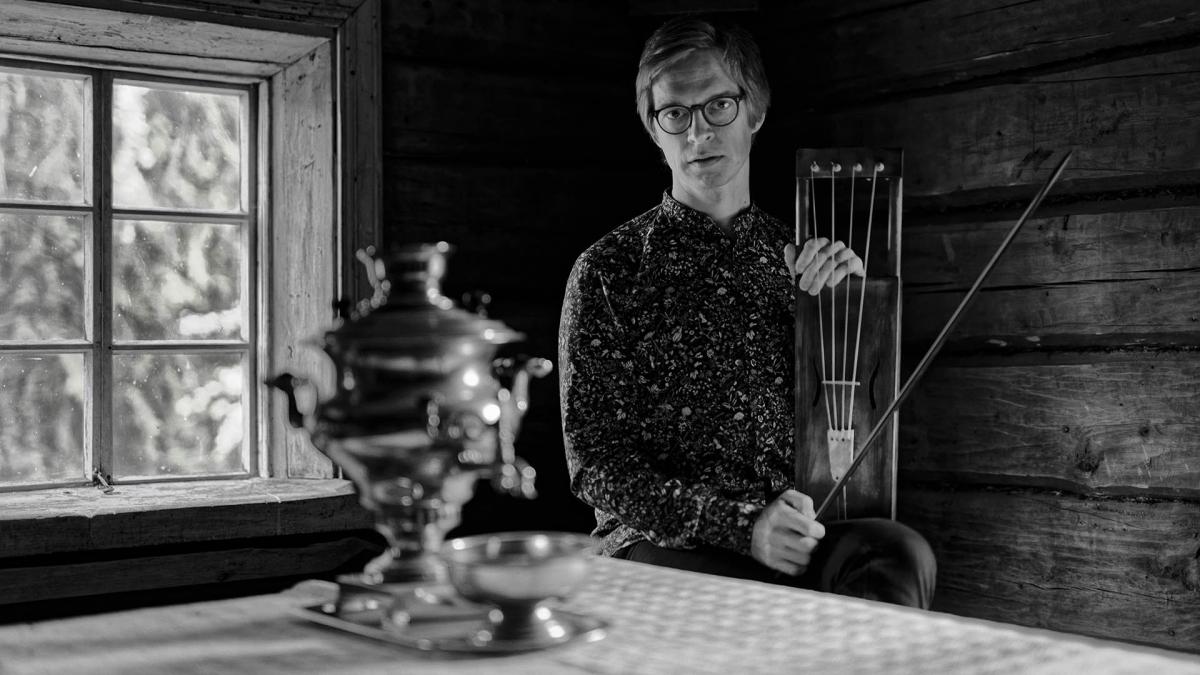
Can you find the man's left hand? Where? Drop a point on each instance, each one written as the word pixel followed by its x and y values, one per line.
pixel 821 263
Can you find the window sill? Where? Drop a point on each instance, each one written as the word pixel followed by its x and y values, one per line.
pixel 68 520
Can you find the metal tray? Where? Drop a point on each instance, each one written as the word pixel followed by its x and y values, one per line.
pixel 448 635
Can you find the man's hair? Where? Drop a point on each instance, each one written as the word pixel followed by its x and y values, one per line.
pixel 681 36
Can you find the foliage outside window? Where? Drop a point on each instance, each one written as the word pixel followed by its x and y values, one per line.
pixel 127 232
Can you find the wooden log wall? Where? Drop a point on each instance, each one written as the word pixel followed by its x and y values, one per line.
pixel 1048 454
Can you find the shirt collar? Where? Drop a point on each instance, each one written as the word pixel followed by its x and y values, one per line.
pixel 681 242
pixel 681 214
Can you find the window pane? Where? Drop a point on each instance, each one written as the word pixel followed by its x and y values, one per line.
pixel 177 149
pixel 177 414
pixel 43 269
pixel 177 281
pixel 41 417
pixel 45 137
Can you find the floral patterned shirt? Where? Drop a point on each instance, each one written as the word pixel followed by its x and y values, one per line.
pixel 675 352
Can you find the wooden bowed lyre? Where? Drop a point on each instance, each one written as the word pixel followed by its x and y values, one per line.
pixel 825 468
pixel 848 336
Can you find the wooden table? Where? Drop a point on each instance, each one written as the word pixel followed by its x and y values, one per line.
pixel 662 621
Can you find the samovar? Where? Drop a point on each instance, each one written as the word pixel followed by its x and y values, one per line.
pixel 422 410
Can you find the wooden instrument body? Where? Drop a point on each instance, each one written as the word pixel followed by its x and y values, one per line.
pixel 828 330
pixel 872 490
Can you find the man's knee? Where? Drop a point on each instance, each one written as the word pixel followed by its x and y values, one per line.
pixel 909 545
pixel 900 553
pixel 911 549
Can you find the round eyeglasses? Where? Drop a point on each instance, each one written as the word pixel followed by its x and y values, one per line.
pixel 718 112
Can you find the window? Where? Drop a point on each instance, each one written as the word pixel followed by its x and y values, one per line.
pixel 312 89
pixel 128 225
pixel 308 197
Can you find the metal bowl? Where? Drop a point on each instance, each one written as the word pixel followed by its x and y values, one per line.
pixel 518 567
pixel 517 573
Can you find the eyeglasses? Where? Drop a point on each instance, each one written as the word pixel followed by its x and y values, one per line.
pixel 718 112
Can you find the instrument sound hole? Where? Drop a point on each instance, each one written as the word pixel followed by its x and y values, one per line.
pixel 871 386
pixel 816 378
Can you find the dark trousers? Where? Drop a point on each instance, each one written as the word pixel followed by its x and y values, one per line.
pixel 872 558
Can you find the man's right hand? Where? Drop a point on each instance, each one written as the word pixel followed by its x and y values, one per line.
pixel 786 533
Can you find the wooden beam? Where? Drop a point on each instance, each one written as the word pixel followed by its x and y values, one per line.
pixel 1157 309
pixel 889 50
pixel 1127 570
pixel 84 519
pixel 310 17
pixel 669 7
pixel 172 570
pixel 1109 246
pixel 433 117
pixel 360 143
pixel 513 214
pixel 303 247
pixel 1080 196
pixel 511 36
pixel 1125 118
pixel 1128 278
pixel 113 38
pixel 1126 427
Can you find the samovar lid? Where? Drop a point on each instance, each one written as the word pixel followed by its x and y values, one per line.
pixel 408 308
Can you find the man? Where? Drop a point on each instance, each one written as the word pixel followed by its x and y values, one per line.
pixel 676 354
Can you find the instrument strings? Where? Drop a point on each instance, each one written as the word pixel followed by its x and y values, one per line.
pixel 840 380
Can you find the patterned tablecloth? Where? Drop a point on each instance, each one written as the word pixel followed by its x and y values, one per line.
pixel 662 621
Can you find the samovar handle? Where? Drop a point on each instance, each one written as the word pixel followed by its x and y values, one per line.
pixel 514 375
pixel 380 285
pixel 510 473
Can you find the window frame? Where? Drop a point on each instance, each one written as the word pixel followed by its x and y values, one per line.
pixel 318 112
pixel 98 346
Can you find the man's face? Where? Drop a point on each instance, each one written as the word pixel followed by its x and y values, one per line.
pixel 704 157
